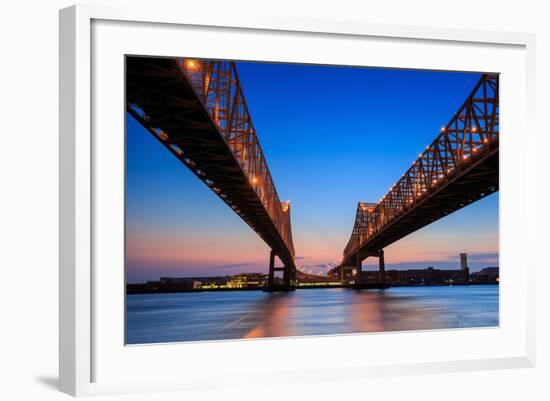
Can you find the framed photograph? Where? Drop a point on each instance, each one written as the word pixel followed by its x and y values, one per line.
pixel 292 199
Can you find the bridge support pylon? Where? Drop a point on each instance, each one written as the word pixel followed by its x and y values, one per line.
pixel 360 281
pixel 288 276
pixel 346 273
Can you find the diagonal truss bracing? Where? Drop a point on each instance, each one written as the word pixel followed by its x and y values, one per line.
pixel 197 109
pixel 459 167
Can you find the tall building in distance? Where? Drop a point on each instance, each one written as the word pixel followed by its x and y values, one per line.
pixel 464 266
pixel 463 261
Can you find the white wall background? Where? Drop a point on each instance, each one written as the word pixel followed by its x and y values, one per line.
pixel 29 196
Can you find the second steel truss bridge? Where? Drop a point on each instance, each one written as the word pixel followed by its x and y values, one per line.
pixel 197 110
pixel 458 168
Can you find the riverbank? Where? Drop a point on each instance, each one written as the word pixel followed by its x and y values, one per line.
pixel 157 290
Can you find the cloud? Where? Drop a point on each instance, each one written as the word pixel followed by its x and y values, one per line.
pixel 320 266
pixel 482 256
pixel 317 269
pixel 422 264
pixel 476 256
pixel 233 265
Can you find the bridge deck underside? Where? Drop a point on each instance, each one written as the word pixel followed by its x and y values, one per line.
pixel 159 89
pixel 476 181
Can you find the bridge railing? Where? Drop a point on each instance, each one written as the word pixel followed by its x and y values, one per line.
pixel 471 132
pixel 217 85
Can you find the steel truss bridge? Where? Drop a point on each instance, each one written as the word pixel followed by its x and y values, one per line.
pixel 197 110
pixel 458 168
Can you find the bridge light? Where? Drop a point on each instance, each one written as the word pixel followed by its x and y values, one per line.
pixel 254 180
pixel 163 135
pixel 191 65
pixel 474 129
pixel 474 150
pixel 442 129
pixel 464 157
pixel 485 140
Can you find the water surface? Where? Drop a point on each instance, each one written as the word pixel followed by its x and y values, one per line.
pixel 192 316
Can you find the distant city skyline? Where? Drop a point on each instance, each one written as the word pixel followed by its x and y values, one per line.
pixel 332 136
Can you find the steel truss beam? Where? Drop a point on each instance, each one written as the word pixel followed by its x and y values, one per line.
pixel 458 168
pixel 197 110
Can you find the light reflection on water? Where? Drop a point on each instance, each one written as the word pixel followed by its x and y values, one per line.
pixel 156 318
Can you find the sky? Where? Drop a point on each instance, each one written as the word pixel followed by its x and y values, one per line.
pixel 332 136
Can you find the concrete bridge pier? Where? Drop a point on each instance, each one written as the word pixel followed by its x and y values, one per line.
pixel 288 276
pixel 346 273
pixel 360 282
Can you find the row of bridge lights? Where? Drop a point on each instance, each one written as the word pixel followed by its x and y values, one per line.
pixel 193 65
pixel 254 180
pixel 473 129
pixel 441 176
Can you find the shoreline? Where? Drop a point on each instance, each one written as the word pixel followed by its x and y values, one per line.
pixel 305 287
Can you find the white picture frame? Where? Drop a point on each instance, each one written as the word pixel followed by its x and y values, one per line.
pixel 81 341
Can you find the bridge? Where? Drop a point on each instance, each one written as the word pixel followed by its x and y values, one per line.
pixel 458 168
pixel 197 110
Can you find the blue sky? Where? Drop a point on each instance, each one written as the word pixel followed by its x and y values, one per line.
pixel 332 136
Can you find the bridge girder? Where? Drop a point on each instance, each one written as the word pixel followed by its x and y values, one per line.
pixel 197 110
pixel 459 167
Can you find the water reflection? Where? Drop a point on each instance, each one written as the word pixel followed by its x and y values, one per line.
pixel 154 318
pixel 272 316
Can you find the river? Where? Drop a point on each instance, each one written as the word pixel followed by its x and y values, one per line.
pixel 193 316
